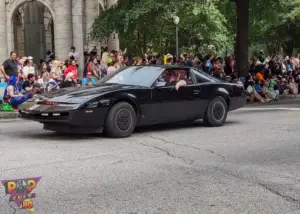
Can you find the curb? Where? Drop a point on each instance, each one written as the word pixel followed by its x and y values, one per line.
pixel 9 115
pixel 267 109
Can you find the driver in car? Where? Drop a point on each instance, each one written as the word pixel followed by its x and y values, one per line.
pixel 173 79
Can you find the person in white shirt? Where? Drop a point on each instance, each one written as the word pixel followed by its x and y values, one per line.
pixel 29 68
pixel 74 54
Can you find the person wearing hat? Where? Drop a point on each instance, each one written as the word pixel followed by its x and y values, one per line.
pixel 29 68
pixel 169 60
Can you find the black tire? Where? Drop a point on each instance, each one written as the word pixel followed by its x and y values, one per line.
pixel 216 112
pixel 120 121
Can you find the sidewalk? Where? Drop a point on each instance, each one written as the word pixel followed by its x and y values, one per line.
pixel 284 102
pixel 9 115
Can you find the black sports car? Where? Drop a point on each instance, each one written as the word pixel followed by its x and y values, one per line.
pixel 137 96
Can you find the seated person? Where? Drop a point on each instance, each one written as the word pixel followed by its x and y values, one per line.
pixel 252 94
pixel 266 93
pixel 69 81
pixel 88 80
pixel 292 86
pixel 12 94
pixel 36 88
pixel 27 85
pixel 173 79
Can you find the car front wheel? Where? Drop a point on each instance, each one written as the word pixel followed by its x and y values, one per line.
pixel 120 121
pixel 216 112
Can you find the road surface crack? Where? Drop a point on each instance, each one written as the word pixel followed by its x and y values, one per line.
pixel 187 146
pixel 189 162
pixel 285 197
pixel 265 186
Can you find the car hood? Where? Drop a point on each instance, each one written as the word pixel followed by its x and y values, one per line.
pixel 83 94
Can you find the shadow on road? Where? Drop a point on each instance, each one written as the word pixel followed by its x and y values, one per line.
pixel 55 136
pixel 179 126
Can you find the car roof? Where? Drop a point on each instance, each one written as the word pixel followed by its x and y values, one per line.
pixel 165 66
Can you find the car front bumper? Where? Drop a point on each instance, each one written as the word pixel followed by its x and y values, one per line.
pixel 63 120
pixel 237 102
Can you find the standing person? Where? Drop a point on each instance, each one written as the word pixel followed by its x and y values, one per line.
pixel 74 54
pixel 208 66
pixel 111 68
pixel 169 59
pixel 29 68
pixel 9 67
pixel 49 56
pixel 103 64
pixel 93 52
pixel 122 62
pixel 159 60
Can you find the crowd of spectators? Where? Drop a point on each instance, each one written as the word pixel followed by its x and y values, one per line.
pixel 268 78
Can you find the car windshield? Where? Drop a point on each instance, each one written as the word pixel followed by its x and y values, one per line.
pixel 135 75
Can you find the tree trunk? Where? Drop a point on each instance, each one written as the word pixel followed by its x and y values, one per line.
pixel 288 47
pixel 242 11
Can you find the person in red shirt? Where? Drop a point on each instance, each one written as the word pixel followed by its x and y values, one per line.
pixel 72 68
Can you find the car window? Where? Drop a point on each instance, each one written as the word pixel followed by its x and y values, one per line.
pixel 183 74
pixel 202 77
pixel 135 75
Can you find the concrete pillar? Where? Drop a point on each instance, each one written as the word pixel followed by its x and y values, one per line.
pixel 91 13
pixel 48 33
pixel 34 30
pixel 78 31
pixel 3 32
pixel 63 31
pixel 18 36
pixel 113 41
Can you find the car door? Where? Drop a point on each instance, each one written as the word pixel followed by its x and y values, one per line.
pixel 169 105
pixel 204 85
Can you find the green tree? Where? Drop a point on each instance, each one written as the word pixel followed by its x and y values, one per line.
pixel 147 25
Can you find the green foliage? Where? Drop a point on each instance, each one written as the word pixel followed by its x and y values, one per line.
pixel 274 23
pixel 147 25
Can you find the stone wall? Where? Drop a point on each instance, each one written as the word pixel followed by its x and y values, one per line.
pixel 48 29
pixel 19 33
pixel 92 11
pixel 70 26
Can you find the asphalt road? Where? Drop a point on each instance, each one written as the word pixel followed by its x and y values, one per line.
pixel 250 165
